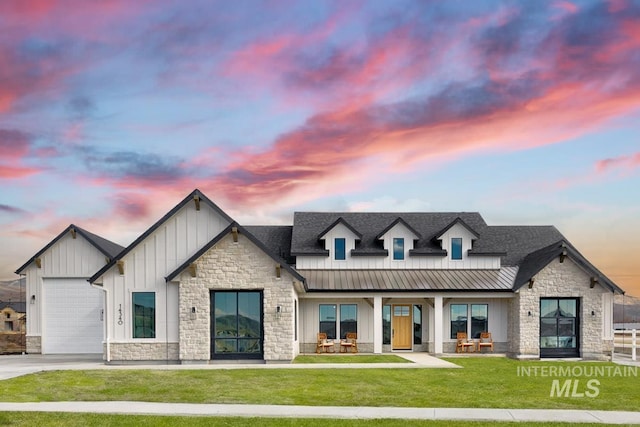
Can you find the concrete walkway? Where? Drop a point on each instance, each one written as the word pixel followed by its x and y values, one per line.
pixel 335 412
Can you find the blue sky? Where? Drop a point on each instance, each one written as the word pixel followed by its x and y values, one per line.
pixel 528 112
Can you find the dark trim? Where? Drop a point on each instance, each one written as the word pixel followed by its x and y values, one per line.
pixel 562 351
pixel 324 252
pixel 398 220
pixel 157 225
pixel 243 231
pixel 345 223
pixel 381 252
pixel 414 252
pixel 536 261
pixel 235 356
pixel 454 222
pixel 471 252
pixel 89 237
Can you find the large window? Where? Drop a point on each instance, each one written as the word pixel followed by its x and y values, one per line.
pixel 417 324
pixel 479 319
pixel 237 324
pixel 559 326
pixel 398 248
pixel 328 320
pixel 456 248
pixel 144 314
pixel 340 249
pixel 348 319
pixel 458 319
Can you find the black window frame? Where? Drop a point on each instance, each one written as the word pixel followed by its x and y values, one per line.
pixel 148 317
pixel 322 324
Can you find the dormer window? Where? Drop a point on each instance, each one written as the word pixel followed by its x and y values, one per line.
pixel 398 248
pixel 340 252
pixel 456 248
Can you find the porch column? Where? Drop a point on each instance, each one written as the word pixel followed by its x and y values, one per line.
pixel 377 325
pixel 437 324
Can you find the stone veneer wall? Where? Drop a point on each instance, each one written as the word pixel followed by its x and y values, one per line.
pixel 139 351
pixel 34 344
pixel 557 280
pixel 238 266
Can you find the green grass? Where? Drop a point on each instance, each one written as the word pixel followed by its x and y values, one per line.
pixel 349 358
pixel 81 420
pixel 483 383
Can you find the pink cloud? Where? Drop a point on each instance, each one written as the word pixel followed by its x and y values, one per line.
pixel 15 172
pixel 625 163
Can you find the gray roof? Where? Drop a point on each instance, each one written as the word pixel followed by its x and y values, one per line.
pixel 18 307
pixel 307 226
pixel 536 261
pixel 107 247
pixel 410 280
pixel 516 242
pixel 276 238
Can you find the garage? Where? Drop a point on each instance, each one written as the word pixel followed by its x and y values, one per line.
pixel 72 317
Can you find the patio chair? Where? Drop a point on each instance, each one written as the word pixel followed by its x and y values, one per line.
pixel 464 343
pixel 324 344
pixel 350 343
pixel 485 341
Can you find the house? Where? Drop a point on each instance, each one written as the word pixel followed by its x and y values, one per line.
pixel 64 313
pixel 12 316
pixel 197 286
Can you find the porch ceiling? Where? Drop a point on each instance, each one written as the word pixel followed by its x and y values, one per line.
pixel 410 280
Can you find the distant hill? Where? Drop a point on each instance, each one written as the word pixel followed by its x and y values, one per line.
pixel 12 290
pixel 631 309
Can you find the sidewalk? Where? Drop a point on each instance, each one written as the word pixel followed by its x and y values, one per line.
pixel 334 412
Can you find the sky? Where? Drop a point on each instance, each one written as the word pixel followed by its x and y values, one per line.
pixel 112 111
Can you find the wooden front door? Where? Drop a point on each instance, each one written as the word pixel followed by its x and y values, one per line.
pixel 401 327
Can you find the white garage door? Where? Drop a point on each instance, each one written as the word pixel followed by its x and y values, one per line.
pixel 72 317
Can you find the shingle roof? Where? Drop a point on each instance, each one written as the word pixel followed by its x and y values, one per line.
pixel 107 247
pixel 308 225
pixel 410 280
pixel 516 241
pixel 277 238
pixel 536 261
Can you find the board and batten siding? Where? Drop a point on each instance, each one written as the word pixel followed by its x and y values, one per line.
pixel 387 262
pixel 67 258
pixel 146 266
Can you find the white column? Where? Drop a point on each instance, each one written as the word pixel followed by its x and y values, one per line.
pixel 437 324
pixel 377 325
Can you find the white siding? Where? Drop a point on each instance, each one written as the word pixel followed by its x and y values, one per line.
pixel 67 258
pixel 146 266
pixel 387 262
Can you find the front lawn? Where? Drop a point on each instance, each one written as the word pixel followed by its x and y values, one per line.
pixel 350 358
pixel 81 420
pixel 483 383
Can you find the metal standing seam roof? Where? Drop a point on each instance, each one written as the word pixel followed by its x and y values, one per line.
pixel 410 280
